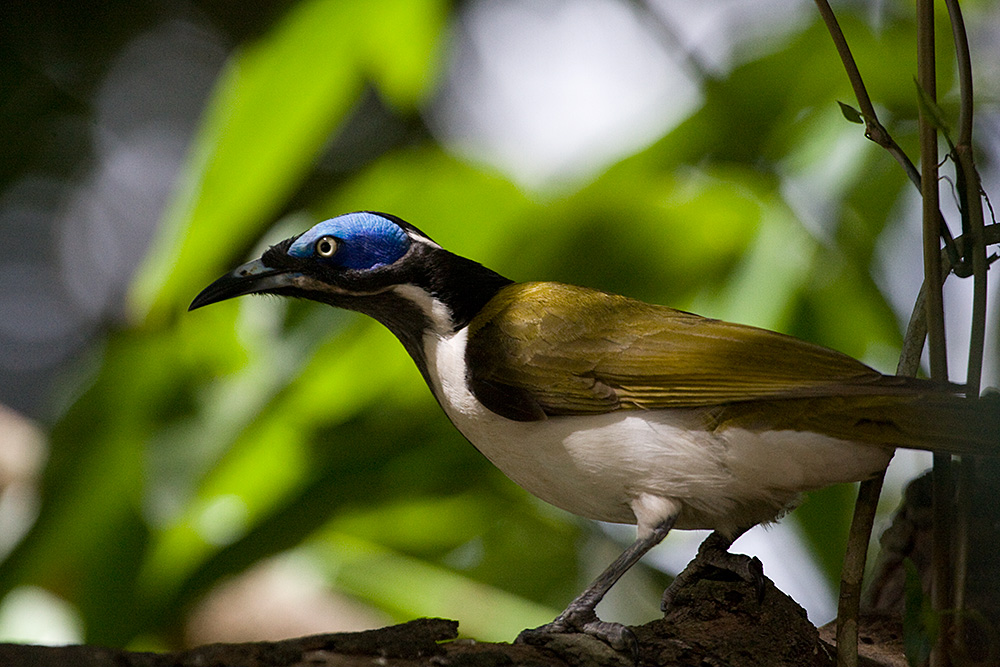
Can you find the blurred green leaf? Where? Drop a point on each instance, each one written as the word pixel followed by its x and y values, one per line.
pixel 273 109
pixel 471 211
pixel 399 42
pixel 408 586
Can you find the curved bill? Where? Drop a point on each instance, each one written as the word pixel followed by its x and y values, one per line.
pixel 250 278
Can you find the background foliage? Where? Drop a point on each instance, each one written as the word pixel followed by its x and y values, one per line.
pixel 184 449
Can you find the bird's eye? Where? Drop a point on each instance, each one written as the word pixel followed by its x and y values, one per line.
pixel 326 246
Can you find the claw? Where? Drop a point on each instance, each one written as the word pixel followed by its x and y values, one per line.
pixel 617 636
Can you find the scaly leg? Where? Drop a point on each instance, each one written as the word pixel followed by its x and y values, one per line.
pixel 714 554
pixel 580 616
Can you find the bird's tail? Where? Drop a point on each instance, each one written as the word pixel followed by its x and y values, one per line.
pixel 933 421
pixel 938 423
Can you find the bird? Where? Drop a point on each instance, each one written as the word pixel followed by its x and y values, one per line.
pixel 615 409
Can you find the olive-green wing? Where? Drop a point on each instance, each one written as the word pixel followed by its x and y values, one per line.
pixel 552 349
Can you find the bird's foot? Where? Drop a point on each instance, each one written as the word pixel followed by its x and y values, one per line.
pixel 584 620
pixel 714 556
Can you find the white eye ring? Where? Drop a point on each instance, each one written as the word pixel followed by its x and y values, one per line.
pixel 326 246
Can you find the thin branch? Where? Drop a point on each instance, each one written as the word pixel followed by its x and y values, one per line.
pixel 975 248
pixel 963 60
pixel 969 192
pixel 874 130
pixel 943 484
pixel 853 570
pixel 867 503
pixel 927 79
pixel 669 36
pixel 916 328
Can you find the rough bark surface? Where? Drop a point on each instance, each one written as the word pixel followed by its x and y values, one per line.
pixel 712 624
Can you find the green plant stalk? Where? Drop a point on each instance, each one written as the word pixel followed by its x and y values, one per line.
pixel 926 77
pixel 942 486
pixel 975 249
pixel 968 183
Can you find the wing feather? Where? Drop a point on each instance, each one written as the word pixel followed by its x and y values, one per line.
pixel 572 350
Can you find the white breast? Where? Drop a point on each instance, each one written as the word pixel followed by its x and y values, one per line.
pixel 632 466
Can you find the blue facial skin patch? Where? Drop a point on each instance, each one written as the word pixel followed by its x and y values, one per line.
pixel 364 241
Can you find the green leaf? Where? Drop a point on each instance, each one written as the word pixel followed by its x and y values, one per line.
pixel 401 47
pixel 400 585
pixel 274 108
pixel 850 113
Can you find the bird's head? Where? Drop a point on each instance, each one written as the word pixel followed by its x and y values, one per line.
pixel 373 263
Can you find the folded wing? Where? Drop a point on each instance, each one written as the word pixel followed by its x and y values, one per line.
pixel 549 349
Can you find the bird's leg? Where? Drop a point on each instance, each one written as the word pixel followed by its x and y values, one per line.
pixel 580 615
pixel 714 554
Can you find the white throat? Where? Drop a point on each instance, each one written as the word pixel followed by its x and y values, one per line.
pixel 436 312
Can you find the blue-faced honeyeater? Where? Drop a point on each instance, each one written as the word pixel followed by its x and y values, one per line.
pixel 615 409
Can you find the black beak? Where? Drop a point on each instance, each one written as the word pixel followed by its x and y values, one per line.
pixel 251 278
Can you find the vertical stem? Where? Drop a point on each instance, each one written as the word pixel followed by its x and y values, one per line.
pixel 852 572
pixel 941 548
pixel 926 76
pixel 971 202
pixel 975 248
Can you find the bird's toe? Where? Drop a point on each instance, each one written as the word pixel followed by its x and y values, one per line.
pixel 617 636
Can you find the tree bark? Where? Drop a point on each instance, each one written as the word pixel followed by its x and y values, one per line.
pixel 717 623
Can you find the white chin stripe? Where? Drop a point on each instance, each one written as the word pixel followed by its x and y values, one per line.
pixel 423 239
pixel 438 314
